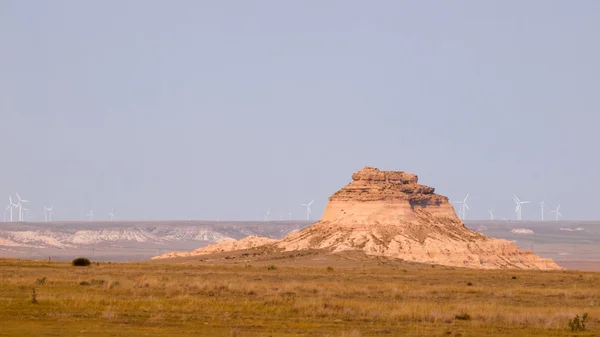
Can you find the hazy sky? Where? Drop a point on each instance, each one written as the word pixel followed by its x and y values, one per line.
pixel 222 109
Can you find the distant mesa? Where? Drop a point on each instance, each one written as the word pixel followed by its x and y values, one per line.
pixel 389 214
pixel 522 231
pixel 578 229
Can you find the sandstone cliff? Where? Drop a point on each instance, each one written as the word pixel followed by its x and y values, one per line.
pixel 388 213
pixel 225 246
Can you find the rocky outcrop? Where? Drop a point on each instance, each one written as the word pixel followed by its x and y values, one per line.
pixel 225 246
pixel 388 213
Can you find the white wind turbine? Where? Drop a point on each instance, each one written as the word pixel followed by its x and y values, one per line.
pixel 46 211
pixel 90 215
pixel 112 215
pixel 25 210
pixel 542 204
pixel 267 214
pixel 10 207
pixel 519 206
pixel 307 209
pixel 19 205
pixel 464 207
pixel 557 212
pixel 491 213
pixel 50 212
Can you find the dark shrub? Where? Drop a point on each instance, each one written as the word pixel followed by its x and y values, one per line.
pixel 81 262
pixel 578 323
pixel 463 317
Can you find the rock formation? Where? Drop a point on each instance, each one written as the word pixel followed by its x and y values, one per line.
pixel 388 213
pixel 225 246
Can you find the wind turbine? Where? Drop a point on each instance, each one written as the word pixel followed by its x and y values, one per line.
pixel 50 212
pixel 558 215
pixel 112 215
pixel 267 214
pixel 519 206
pixel 464 207
pixel 46 209
pixel 90 215
pixel 491 213
pixel 542 204
pixel 20 206
pixel 25 210
pixel 307 209
pixel 10 207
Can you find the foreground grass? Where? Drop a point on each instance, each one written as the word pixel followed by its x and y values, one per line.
pixel 189 300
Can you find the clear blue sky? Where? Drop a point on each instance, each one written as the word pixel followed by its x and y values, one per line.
pixel 222 109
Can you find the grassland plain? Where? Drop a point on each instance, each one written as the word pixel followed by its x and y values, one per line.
pixel 185 299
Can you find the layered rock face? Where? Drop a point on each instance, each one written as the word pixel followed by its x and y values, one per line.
pixel 388 213
pixel 225 246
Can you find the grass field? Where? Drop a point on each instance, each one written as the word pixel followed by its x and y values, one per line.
pixel 154 299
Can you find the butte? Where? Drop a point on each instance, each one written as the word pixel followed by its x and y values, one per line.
pixel 389 214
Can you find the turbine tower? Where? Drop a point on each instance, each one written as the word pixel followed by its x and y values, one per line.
pixel 307 209
pixel 10 207
pixel 491 213
pixel 557 212
pixel 20 206
pixel 46 209
pixel 90 215
pixel 112 215
pixel 542 204
pixel 50 212
pixel 267 214
pixel 519 206
pixel 464 207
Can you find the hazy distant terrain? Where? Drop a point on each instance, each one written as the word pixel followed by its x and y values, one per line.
pixel 127 241
pixel 563 241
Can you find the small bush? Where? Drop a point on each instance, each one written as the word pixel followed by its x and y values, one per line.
pixel 463 317
pixel 84 283
pixel 271 267
pixel 578 323
pixel 41 281
pixel 330 268
pixel 81 262
pixel 469 284
pixel 97 282
pixel 34 296
pixel 514 277
pixel 113 284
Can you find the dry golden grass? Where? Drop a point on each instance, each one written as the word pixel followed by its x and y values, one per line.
pixel 153 299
